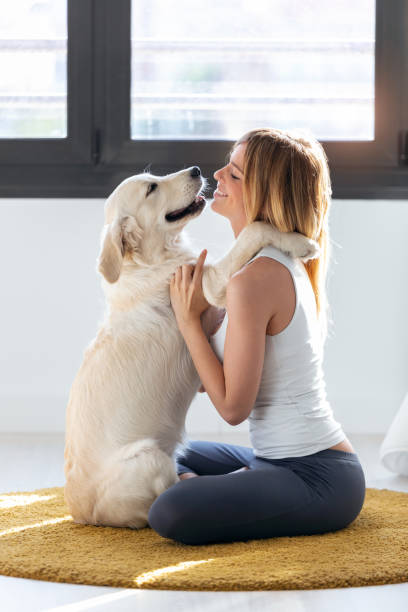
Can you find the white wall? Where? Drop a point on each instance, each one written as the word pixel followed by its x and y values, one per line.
pixel 51 304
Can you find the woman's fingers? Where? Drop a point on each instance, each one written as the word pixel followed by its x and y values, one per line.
pixel 187 269
pixel 198 270
pixel 188 272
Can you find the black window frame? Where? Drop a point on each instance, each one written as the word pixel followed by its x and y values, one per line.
pixel 98 152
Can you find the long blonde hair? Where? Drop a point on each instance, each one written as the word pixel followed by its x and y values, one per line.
pixel 287 183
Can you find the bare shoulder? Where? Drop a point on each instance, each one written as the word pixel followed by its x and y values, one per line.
pixel 260 274
pixel 259 284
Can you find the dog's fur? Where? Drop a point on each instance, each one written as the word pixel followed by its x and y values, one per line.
pixel 128 403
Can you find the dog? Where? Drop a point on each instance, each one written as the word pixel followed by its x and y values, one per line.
pixel 125 418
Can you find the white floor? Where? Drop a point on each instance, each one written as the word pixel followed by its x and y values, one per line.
pixel 32 461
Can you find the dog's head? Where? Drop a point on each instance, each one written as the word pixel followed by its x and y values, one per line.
pixel 147 208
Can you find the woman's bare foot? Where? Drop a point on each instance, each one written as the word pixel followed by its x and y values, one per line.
pixel 193 474
pixel 187 475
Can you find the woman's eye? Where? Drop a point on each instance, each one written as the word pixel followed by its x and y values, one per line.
pixel 234 177
pixel 151 188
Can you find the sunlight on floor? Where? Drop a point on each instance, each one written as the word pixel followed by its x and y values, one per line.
pixel 147 576
pixel 67 517
pixel 12 501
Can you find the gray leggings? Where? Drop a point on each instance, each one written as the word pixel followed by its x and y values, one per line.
pixel 275 497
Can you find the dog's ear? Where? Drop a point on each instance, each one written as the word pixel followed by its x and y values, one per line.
pixel 122 235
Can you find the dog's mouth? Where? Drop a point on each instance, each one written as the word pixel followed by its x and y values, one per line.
pixel 196 205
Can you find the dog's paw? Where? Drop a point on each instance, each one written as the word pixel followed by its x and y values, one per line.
pixel 300 246
pixel 311 250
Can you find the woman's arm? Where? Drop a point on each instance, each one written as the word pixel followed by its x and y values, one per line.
pixel 233 385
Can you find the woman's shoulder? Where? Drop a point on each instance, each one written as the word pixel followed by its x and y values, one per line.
pixel 251 292
pixel 260 283
pixel 260 270
pixel 265 288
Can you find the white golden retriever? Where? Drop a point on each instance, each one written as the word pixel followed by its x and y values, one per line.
pixel 128 402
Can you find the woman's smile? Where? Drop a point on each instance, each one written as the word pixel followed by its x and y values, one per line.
pixel 218 193
pixel 229 187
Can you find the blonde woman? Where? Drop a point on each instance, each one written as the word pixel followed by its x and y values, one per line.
pixel 264 363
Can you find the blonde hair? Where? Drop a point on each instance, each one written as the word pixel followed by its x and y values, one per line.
pixel 287 183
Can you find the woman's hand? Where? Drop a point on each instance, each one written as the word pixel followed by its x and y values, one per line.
pixel 186 292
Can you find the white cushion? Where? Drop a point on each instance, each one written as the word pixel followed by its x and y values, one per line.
pixel 394 448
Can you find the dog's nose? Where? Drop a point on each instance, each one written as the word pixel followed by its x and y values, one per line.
pixel 195 171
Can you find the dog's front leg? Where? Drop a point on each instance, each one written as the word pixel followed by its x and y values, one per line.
pixel 250 241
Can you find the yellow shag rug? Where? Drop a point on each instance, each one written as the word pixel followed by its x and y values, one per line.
pixel 38 539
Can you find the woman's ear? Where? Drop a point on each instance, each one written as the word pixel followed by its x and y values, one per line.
pixel 122 235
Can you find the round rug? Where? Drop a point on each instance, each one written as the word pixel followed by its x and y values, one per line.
pixel 38 539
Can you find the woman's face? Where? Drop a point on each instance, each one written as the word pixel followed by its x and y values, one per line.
pixel 228 197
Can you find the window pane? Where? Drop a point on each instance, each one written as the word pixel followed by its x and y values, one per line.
pixel 205 69
pixel 33 69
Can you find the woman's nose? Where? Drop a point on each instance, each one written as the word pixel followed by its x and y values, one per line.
pixel 217 174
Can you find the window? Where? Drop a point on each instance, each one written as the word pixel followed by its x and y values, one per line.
pixel 33 65
pixel 93 91
pixel 268 61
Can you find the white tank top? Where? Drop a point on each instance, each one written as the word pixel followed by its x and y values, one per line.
pixel 291 416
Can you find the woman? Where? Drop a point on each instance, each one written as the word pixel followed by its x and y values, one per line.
pixel 264 364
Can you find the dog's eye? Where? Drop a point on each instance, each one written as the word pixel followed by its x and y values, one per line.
pixel 151 188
